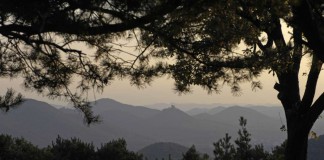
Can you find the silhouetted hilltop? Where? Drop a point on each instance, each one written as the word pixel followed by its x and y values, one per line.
pixel 40 123
pixel 173 115
pixel 106 104
pixel 211 111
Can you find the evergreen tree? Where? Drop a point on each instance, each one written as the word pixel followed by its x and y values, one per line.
pixel 200 36
pixel 243 150
pixel 204 49
pixel 37 39
pixel 193 154
pixel 72 149
pixel 116 150
pixel 278 153
pixel 20 149
pixel 224 149
pixel 258 153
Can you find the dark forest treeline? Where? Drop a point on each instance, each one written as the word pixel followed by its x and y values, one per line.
pixel 12 148
pixel 64 149
pixel 241 149
pixel 74 149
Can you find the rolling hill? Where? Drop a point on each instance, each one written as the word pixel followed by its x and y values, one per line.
pixel 41 123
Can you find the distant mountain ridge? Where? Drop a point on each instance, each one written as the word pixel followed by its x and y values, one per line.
pixel 172 114
pixel 40 123
pixel 186 107
pixel 106 104
pixel 197 111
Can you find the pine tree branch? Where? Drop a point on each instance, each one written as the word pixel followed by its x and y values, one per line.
pixel 10 100
pixel 316 109
pixel 68 26
pixel 311 82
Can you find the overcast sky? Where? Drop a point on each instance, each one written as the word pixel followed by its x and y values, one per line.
pixel 161 91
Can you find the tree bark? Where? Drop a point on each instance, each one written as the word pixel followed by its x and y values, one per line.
pixel 299 118
pixel 297 137
pixel 311 23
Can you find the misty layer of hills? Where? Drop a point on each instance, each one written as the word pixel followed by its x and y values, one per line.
pixel 41 123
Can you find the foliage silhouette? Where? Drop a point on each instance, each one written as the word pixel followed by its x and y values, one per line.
pixel 243 149
pixel 201 38
pixel 64 149
pixel 193 154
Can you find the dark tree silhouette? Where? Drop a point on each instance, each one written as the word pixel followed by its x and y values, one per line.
pixel 117 150
pixel 203 40
pixel 72 149
pixel 193 154
pixel 20 149
pixel 64 149
pixel 194 42
pixel 224 149
pixel 243 149
pixel 39 38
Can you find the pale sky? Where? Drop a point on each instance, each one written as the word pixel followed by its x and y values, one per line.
pixel 161 91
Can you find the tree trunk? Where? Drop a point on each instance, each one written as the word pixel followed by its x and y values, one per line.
pixel 297 140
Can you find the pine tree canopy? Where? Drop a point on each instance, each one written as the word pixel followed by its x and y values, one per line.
pixel 195 42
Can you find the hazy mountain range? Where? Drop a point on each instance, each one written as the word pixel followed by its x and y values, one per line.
pixel 140 126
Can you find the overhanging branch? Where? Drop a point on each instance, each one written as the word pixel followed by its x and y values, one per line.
pixel 311 82
pixel 317 108
pixel 80 28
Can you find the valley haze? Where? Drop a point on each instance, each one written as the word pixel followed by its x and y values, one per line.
pixel 140 126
